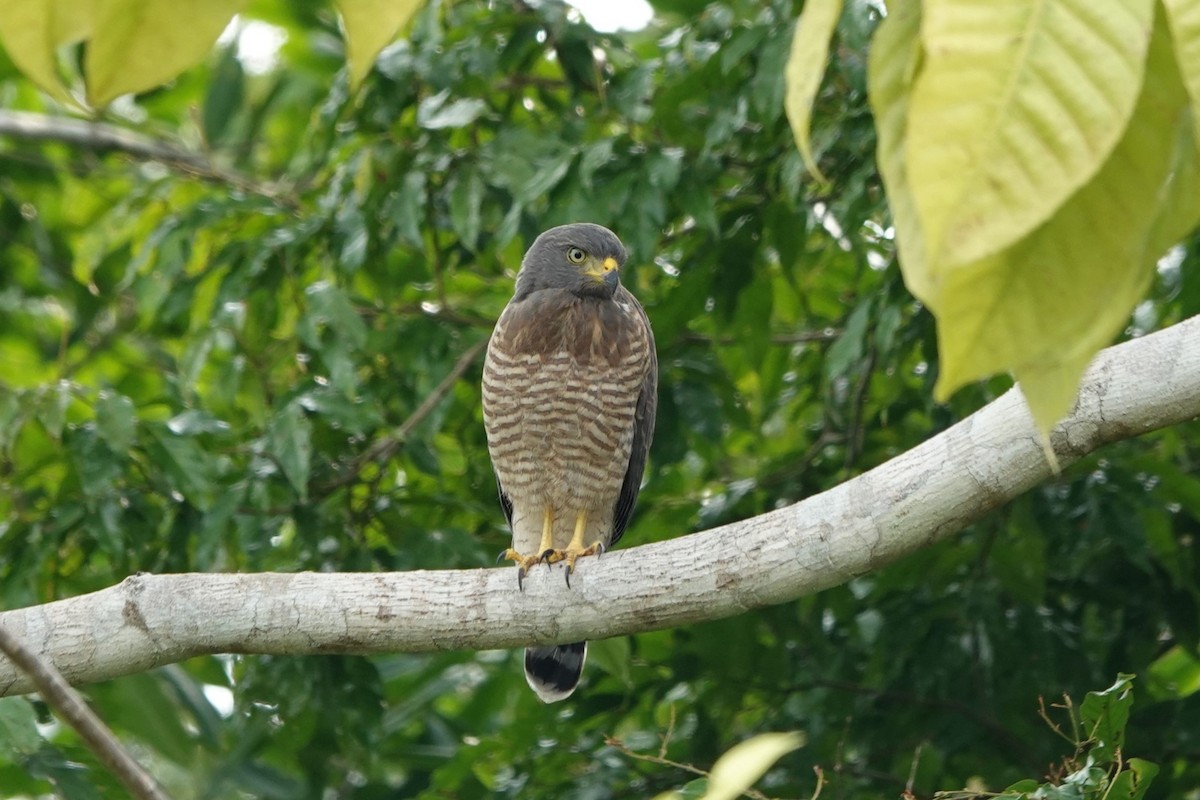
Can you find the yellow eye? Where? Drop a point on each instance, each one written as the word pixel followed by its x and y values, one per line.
pixel 575 255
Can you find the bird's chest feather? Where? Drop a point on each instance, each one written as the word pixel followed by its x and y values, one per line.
pixel 564 386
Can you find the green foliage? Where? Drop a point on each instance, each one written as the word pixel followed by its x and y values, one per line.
pixel 231 365
pixel 1096 771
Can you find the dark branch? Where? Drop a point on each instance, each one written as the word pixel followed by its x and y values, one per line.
pixel 104 137
pixel 70 706
pixel 388 446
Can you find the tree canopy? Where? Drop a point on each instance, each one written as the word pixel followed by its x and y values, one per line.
pixel 242 330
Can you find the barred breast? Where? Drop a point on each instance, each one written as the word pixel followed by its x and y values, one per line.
pixel 560 387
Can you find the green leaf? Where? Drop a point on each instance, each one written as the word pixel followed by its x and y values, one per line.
pixel 52 408
pixel 116 421
pixel 594 156
pixel 355 415
pixel 805 68
pixel 1104 716
pixel 692 790
pixel 744 763
pixel 11 417
pixel 1017 106
pixel 848 349
pixel 1134 782
pixel 1020 788
pixel 140 705
pixel 354 239
pixel 226 91
pixel 193 421
pixel 140 44
pixel 369 26
pixel 329 305
pixel 96 466
pixel 289 442
pixel 769 87
pixel 18 726
pixel 1175 674
pixel 189 693
pixel 466 199
pixel 408 209
pixel 187 466
pixel 435 113
pixel 612 656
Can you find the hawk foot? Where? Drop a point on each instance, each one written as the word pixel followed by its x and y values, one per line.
pixel 524 564
pixel 570 555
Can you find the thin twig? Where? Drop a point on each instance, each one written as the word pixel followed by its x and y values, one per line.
pixel 387 447
pixel 102 137
pixel 439 265
pixel 799 337
pixel 70 706
pixel 666 737
pixel 820 773
pixel 666 762
pixel 912 769
pixel 857 432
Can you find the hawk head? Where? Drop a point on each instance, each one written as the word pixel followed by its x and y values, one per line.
pixel 583 258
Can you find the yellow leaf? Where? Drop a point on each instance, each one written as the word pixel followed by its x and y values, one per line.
pixel 1043 307
pixel 370 25
pixel 744 763
pixel 140 44
pixel 32 32
pixel 1016 107
pixel 1184 16
pixel 892 65
pixel 805 68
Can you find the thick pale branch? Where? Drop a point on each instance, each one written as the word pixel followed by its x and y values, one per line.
pixel 920 497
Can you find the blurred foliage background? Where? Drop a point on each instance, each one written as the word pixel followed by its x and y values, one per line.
pixel 267 358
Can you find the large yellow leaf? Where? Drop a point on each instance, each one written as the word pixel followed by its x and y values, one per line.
pixel 139 44
pixel 1017 105
pixel 1184 16
pixel 31 33
pixel 370 25
pixel 892 66
pixel 1043 307
pixel 744 763
pixel 805 68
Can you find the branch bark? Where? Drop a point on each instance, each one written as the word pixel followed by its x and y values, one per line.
pixel 103 137
pixel 910 502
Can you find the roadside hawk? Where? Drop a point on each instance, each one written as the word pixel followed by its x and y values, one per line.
pixel 569 394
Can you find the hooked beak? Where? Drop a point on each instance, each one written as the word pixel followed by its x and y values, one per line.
pixel 607 271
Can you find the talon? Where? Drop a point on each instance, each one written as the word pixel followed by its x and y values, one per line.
pixel 574 555
pixel 548 556
pixel 524 564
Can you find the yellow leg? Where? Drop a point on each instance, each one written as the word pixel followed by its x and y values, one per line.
pixel 576 549
pixel 547 545
pixel 577 538
pixel 526 562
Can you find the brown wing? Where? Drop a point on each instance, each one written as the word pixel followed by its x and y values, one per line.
pixel 643 433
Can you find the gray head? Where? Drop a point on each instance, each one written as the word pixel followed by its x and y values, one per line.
pixel 582 258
